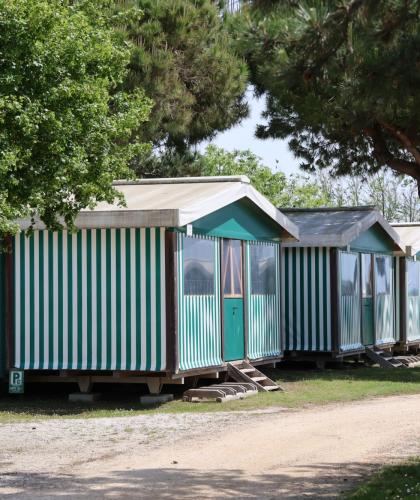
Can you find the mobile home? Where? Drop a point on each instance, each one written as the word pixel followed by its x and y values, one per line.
pixel 338 289
pixel 181 281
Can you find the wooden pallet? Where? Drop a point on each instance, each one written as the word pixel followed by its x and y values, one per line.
pixel 245 372
pixel 409 360
pixel 220 393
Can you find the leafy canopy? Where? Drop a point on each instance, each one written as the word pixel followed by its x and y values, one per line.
pixel 185 61
pixel 65 133
pixel 341 79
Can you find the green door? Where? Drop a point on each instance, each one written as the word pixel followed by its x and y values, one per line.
pixel 233 300
pixel 368 336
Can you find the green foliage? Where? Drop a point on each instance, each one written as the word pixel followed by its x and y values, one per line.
pixel 65 133
pixel 184 60
pixel 295 191
pixel 392 482
pixel 341 79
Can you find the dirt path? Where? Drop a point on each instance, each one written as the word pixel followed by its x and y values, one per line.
pixel 310 453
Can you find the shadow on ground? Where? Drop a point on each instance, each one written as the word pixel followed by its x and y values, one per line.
pixel 174 482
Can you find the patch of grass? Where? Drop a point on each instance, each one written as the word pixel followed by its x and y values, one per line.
pixel 393 482
pixel 303 388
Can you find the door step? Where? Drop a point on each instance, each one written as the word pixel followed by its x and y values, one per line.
pixel 245 372
pixel 220 393
pixel 385 359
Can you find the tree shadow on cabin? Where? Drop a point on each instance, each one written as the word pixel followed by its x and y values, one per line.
pixel 173 482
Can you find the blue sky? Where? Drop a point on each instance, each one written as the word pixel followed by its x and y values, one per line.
pixel 243 137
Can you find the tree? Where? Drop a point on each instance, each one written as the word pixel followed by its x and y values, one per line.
pixel 184 59
pixel 65 132
pixel 295 191
pixel 341 79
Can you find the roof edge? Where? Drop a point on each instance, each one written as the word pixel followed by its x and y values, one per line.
pixel 184 180
pixel 329 209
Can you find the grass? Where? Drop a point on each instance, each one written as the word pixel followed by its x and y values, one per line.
pixel 392 482
pixel 303 388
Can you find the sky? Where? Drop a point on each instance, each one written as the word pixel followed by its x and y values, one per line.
pixel 242 136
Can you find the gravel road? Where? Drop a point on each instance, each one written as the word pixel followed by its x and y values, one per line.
pixel 317 452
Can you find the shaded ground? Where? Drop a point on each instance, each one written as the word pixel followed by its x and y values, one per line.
pixel 307 453
pixel 303 387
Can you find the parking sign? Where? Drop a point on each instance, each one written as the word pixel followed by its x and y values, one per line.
pixel 16 381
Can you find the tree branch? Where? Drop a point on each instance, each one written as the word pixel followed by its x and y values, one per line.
pixel 403 139
pixel 384 156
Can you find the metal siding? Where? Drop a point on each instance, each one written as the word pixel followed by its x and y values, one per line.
pixel 385 331
pixel 78 301
pixel 263 315
pixel 306 287
pixel 413 308
pixel 350 312
pixel 199 331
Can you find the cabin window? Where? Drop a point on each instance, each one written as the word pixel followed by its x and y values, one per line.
pixel 413 278
pixel 383 275
pixel 232 268
pixel 263 269
pixel 349 274
pixel 367 273
pixel 199 257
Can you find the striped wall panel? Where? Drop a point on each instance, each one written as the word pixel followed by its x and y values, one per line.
pixel 413 319
pixel 306 298
pixel 350 323
pixel 264 339
pixel 90 300
pixel 199 319
pixel 398 292
pixel 384 310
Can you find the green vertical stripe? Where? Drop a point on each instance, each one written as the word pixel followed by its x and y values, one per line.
pixel 99 292
pixel 108 300
pixel 60 298
pixel 138 297
pixel 302 298
pixel 129 277
pixel 89 297
pixel 309 292
pixel 22 299
pixel 118 294
pixel 318 277
pixel 51 312
pixel 70 299
pixel 79 301
pixel 287 293
pixel 31 305
pixel 148 304
pixel 324 291
pixel 158 302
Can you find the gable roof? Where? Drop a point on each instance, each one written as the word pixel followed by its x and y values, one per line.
pixel 337 227
pixel 177 202
pixel 409 232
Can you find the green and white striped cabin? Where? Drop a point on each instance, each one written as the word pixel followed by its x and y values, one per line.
pixel 185 277
pixel 408 286
pixel 338 281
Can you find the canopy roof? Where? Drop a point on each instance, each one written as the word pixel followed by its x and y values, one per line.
pixel 177 202
pixel 409 232
pixel 337 227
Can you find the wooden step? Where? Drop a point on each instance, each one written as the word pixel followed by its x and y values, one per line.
pixel 384 359
pixel 241 373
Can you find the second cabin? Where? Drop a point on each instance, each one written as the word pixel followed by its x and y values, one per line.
pixel 338 287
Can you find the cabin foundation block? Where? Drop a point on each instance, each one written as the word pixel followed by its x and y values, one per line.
pixel 151 399
pixel 80 397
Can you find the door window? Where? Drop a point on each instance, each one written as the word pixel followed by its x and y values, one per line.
pixel 232 268
pixel 367 275
pixel 383 275
pixel 349 278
